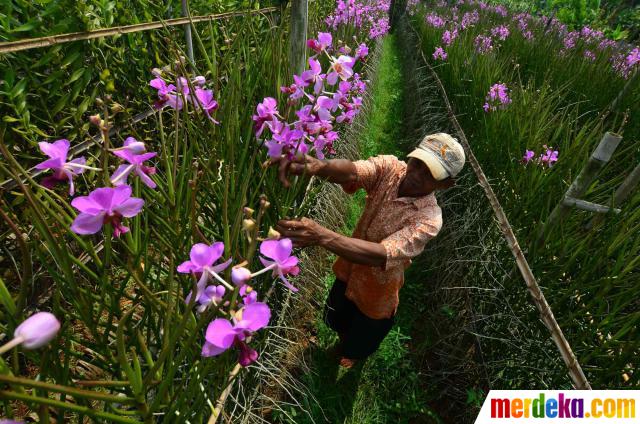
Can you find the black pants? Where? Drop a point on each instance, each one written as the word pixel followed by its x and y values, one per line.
pixel 362 335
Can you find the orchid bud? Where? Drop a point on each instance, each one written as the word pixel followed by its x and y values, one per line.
pixel 248 212
pixel 156 72
pixel 248 224
pixel 199 80
pixel 273 234
pixel 37 330
pixel 96 120
pixel 240 276
pixel 116 108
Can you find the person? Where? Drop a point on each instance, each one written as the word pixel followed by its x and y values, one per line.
pixel 400 216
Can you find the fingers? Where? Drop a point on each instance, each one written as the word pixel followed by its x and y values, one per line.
pixel 282 172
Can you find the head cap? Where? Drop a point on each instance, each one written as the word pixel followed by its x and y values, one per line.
pixel 442 154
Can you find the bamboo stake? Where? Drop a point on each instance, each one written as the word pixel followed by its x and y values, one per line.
pixel 298 35
pixel 598 159
pixel 33 43
pixel 569 358
pixel 622 193
pixel 187 31
pixel 223 397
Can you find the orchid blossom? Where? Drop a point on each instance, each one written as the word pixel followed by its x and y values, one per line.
pixel 57 162
pixel 135 164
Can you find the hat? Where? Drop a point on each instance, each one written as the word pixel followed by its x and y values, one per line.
pixel 442 154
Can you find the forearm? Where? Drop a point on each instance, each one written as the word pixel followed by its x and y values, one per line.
pixel 338 171
pixel 355 250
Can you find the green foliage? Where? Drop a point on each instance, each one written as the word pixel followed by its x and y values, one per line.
pixel 588 276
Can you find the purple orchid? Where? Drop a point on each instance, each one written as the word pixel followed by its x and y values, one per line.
pixel 212 295
pixel 240 276
pixel 549 157
pixel 202 259
pixel 136 164
pixel 57 162
pixel 34 332
pixel 167 95
pixel 222 334
pixel 207 102
pixel 282 263
pixel 362 51
pixel 248 294
pixel 105 206
pixel 528 156
pixel 439 53
pixel 266 111
pixel 323 42
pixel 340 67
pixel 314 75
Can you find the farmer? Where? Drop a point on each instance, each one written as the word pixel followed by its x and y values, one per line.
pixel 400 216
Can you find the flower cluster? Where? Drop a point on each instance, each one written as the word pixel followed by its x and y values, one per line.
pixel 313 130
pixel 251 315
pixel 177 95
pixel 439 53
pixel 368 16
pixel 589 43
pixel 497 97
pixel 548 157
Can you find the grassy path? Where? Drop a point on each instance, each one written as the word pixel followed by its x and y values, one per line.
pixel 387 387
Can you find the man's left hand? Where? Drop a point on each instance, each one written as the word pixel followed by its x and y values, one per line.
pixel 302 232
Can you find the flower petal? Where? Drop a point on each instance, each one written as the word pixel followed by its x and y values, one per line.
pixel 257 315
pixel 130 207
pixel 87 224
pixel 201 255
pixel 221 333
pixel 209 349
pixel 87 205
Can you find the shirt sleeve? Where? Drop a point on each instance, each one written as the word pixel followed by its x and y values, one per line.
pixel 410 241
pixel 369 173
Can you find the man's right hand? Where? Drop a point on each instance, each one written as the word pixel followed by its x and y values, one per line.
pixel 297 166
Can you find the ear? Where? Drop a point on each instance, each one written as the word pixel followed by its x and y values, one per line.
pixel 447 183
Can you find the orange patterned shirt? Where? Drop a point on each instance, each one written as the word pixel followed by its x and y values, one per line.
pixel 403 225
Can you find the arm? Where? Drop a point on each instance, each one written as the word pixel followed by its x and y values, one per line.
pixel 306 232
pixel 338 171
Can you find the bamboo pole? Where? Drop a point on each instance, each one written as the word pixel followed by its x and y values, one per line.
pixel 187 30
pixel 33 43
pixel 298 35
pixel 622 193
pixel 575 370
pixel 588 206
pixel 598 159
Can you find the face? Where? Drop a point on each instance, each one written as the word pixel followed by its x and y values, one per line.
pixel 419 181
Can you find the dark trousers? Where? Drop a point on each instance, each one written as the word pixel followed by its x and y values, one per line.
pixel 361 335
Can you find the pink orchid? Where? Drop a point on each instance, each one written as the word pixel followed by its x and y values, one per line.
pixel 105 206
pixel 135 164
pixel 222 334
pixel 202 261
pixel 57 162
pixel 282 263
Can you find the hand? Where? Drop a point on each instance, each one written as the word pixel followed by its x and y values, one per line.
pixel 302 232
pixel 296 166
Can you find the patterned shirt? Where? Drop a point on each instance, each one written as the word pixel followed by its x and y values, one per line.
pixel 403 225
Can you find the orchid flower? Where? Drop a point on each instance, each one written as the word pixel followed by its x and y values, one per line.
pixel 212 295
pixel 34 332
pixel 323 42
pixel 222 334
pixel 528 156
pixel 202 261
pixel 207 102
pixel 280 261
pixel 57 162
pixel 266 111
pixel 439 53
pixel 105 206
pixel 340 67
pixel 314 75
pixel 136 164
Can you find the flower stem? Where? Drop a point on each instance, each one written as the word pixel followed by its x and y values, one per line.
pixel 11 344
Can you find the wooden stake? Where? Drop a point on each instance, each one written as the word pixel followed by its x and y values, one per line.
pixel 597 160
pixel 298 35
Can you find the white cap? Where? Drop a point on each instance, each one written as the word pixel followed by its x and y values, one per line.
pixel 442 154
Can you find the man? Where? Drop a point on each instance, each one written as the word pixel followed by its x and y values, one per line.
pixel 400 215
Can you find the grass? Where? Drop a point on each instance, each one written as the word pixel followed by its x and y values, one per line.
pixel 387 387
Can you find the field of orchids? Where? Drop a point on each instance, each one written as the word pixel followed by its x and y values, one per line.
pixel 535 97
pixel 142 274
